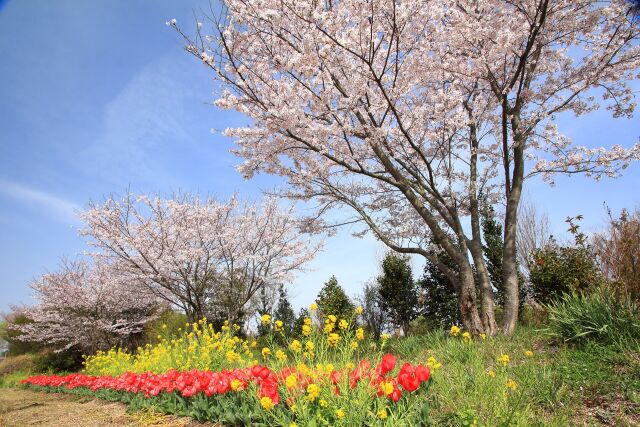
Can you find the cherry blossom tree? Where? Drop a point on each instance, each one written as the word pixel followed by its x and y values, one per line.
pixel 410 113
pixel 86 306
pixel 208 258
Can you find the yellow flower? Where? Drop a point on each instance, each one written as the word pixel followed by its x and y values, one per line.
pixel 466 336
pixel 503 359
pixel 328 368
pixel 511 384
pixel 307 321
pixel 280 355
pixel 491 373
pixel 313 391
pixel 279 326
pixel 340 414
pixel 354 345
pixel 386 387
pixel 295 346
pixel 265 319
pixel 382 414
pixel 328 327
pixel 309 346
pixel 359 334
pixel 483 337
pixel 359 309
pixel 455 331
pixel 333 339
pixel 306 330
pixel 332 318
pixel 528 353
pixel 266 352
pixel 291 381
pixel 293 425
pixel 343 324
pixel 323 403
pixel 266 403
pixel 236 384
pixel 313 306
pixel 385 336
pixel 433 363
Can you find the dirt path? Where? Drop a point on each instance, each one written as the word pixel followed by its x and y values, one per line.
pixel 29 408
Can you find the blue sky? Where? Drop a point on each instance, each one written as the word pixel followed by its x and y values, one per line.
pixel 98 97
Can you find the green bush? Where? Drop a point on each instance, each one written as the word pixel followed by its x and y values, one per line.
pixel 598 316
pixel 57 361
pixel 558 270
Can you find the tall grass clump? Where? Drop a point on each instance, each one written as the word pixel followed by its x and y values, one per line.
pixel 599 317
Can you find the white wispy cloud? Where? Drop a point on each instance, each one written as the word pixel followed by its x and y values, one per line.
pixel 56 207
pixel 147 113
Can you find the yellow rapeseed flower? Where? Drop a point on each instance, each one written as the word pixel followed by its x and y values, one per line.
pixel 333 339
pixel 503 359
pixel 343 324
pixel 433 363
pixel 511 384
pixel 328 327
pixel 265 319
pixel 266 403
pixel 323 403
pixel 309 346
pixel 359 334
pixel 382 414
pixel 236 384
pixel 295 346
pixel 483 336
pixel 528 353
pixel 359 309
pixel 492 373
pixel 278 326
pixel 265 352
pixel 466 336
pixel 280 355
pixel 354 345
pixel 455 331
pixel 313 306
pixel 340 414
pixel 386 387
pixel 291 380
pixel 313 391
pixel 385 336
pixel 306 330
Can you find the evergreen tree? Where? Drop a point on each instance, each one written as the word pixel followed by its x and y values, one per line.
pixel 438 299
pixel 397 291
pixel 284 312
pixel 333 300
pixel 375 318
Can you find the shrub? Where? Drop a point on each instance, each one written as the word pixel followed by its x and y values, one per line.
pixel 558 270
pixel 597 316
pixel 57 361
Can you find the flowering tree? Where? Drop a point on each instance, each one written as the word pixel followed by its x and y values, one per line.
pixel 87 306
pixel 207 257
pixel 410 112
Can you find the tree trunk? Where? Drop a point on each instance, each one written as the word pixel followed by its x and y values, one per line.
pixel 468 306
pixel 510 282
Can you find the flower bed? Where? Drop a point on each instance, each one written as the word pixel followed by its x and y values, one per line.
pixel 261 396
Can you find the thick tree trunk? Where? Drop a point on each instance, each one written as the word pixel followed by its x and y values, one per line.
pixel 510 283
pixel 467 302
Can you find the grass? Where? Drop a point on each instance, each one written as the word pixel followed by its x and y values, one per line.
pixel 556 386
